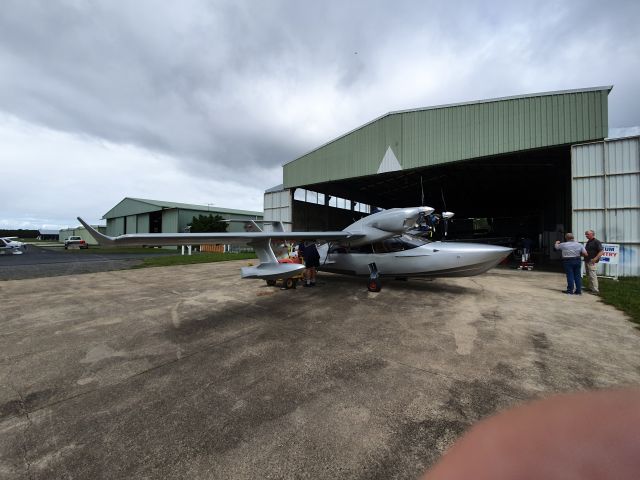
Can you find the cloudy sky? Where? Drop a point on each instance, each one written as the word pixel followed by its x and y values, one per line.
pixel 202 101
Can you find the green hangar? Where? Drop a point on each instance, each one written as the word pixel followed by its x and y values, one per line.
pixel 140 215
pixel 503 165
pixel 507 157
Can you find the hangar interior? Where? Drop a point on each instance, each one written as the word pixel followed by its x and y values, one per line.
pixel 519 194
pixel 502 165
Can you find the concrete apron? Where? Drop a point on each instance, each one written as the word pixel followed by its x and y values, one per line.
pixel 190 372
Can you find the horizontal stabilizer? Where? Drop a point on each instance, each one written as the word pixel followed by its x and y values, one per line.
pixel 272 271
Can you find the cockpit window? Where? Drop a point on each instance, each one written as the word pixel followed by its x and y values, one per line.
pixel 339 248
pixel 412 241
pixel 398 244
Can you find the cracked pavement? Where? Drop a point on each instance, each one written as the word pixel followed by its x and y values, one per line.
pixel 191 372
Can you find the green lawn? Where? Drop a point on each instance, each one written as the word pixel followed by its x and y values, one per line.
pixel 623 294
pixel 170 260
pixel 96 249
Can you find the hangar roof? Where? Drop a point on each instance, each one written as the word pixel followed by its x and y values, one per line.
pixel 133 206
pixel 412 139
pixel 277 188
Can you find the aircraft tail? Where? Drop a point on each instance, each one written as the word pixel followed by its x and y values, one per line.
pixel 99 237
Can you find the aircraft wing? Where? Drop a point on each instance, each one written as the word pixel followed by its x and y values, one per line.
pixel 242 238
pixel 269 267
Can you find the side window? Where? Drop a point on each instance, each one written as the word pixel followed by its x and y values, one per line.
pixel 361 249
pixel 379 247
pixel 393 245
pixel 338 249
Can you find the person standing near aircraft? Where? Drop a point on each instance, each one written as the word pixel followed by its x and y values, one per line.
pixel 312 262
pixel 527 243
pixel 571 252
pixel 594 252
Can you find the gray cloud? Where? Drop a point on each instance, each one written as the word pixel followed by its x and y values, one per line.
pixel 229 87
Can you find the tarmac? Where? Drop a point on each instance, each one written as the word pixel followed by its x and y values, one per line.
pixel 45 261
pixel 191 372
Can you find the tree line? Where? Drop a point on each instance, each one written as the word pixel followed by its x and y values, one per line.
pixel 208 223
pixel 19 233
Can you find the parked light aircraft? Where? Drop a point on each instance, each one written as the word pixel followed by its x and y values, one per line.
pixel 379 239
pixel 12 245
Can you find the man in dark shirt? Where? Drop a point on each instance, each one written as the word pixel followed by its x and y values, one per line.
pixel 594 252
pixel 312 262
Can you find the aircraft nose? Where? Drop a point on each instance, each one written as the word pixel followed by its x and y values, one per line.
pixel 483 253
pixel 496 251
pixel 473 258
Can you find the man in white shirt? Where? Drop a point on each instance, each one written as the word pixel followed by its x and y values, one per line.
pixel 571 253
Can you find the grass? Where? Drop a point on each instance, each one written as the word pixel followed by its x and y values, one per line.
pixel 623 294
pixel 171 260
pixel 96 249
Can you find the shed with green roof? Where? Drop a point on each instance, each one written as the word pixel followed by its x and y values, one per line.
pixel 141 215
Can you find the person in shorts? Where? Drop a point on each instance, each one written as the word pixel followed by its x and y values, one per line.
pixel 311 262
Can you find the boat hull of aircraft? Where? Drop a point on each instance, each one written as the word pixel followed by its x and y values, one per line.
pixel 436 259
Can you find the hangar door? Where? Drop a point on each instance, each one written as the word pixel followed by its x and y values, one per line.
pixel 606 198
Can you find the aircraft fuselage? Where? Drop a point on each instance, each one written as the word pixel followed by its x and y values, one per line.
pixel 436 259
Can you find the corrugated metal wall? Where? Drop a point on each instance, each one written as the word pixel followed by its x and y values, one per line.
pixel 143 223
pixel 131 223
pixel 277 207
pixel 115 226
pixel 606 197
pixel 440 135
pixel 170 221
pixel 173 220
pixel 129 206
pixel 79 232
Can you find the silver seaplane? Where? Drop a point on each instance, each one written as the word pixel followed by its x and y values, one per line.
pixel 380 239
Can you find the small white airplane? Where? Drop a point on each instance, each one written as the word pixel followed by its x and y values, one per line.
pixel 11 245
pixel 379 239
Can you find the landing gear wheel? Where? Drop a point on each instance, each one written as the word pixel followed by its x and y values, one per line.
pixel 271 283
pixel 374 285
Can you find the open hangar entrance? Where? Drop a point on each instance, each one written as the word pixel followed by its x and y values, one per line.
pixel 499 199
pixel 503 166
